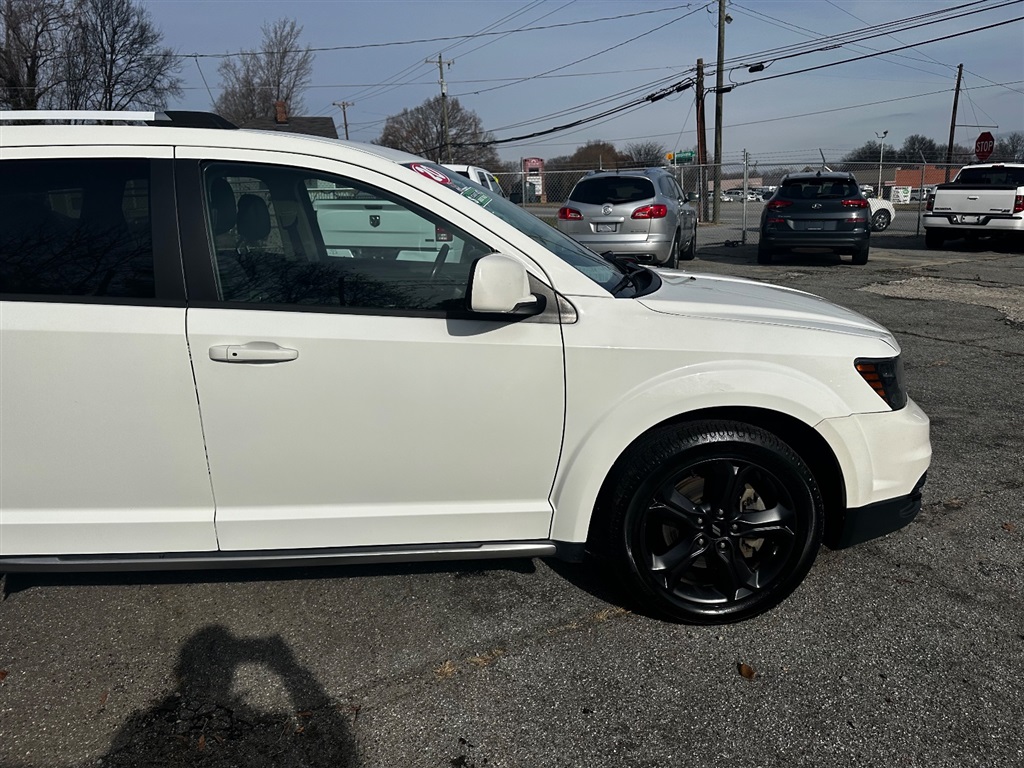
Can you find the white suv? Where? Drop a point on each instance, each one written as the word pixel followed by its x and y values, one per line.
pixel 197 372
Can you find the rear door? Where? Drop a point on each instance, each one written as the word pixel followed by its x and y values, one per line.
pixel 101 449
pixel 347 399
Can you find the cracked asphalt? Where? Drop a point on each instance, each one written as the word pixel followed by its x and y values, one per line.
pixel 904 651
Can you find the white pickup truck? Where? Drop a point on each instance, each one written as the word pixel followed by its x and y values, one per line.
pixel 983 200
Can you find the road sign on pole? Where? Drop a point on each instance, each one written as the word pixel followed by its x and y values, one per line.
pixel 683 158
pixel 984 145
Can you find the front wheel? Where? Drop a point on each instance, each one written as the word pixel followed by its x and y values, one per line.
pixel 881 221
pixel 711 522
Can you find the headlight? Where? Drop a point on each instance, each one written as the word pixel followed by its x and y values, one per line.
pixel 885 376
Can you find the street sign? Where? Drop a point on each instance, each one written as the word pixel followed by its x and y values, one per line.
pixel 984 145
pixel 684 157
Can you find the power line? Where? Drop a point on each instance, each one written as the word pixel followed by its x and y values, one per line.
pixel 444 39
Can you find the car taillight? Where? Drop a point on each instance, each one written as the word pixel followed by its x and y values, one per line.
pixel 855 202
pixel 1018 204
pixel 650 212
pixel 774 205
pixel 931 201
pixel 569 214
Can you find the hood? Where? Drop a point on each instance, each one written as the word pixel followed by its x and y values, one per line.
pixel 739 299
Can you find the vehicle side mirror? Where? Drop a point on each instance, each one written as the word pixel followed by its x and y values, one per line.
pixel 498 284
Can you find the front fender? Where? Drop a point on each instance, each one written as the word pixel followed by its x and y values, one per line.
pixel 598 433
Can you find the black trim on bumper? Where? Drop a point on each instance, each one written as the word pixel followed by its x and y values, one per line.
pixel 865 523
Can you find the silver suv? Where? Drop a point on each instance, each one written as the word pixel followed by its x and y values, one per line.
pixel 641 214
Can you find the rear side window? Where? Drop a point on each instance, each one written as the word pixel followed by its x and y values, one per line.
pixel 612 189
pixel 76 227
pixel 1010 177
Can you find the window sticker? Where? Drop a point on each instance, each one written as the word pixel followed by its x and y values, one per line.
pixel 431 173
pixel 480 198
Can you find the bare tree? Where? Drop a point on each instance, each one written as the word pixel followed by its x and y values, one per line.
pixel 122 57
pixel 32 31
pixel 644 154
pixel 421 132
pixel 1009 148
pixel 84 54
pixel 255 80
pixel 596 154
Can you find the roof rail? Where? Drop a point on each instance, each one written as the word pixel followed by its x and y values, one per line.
pixel 173 118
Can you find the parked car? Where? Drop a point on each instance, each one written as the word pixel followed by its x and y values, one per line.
pixel 882 213
pixel 816 210
pixel 984 200
pixel 641 214
pixel 477 175
pixel 196 374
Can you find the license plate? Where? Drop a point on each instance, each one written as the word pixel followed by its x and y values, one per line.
pixel 606 227
pixel 969 219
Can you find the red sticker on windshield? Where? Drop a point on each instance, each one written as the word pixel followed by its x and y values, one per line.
pixel 431 173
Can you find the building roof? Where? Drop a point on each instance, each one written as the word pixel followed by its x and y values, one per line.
pixel 314 126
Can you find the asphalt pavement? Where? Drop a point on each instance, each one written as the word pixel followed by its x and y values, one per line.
pixel 904 651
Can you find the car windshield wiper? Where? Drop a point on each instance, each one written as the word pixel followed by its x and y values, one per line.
pixel 628 266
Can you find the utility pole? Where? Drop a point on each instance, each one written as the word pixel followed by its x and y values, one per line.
pixel 344 114
pixel 446 145
pixel 952 122
pixel 702 142
pixel 719 83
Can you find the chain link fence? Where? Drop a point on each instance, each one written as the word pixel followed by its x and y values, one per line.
pixel 745 186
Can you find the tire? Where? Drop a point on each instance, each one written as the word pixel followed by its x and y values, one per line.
pixel 860 256
pixel 691 250
pixel 933 238
pixel 881 220
pixel 764 254
pixel 673 253
pixel 711 522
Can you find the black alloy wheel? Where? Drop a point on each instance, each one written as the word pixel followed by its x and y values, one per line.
pixel 712 522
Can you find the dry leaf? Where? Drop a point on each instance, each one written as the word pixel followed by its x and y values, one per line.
pixel 447 669
pixel 746 671
pixel 103 698
pixel 3 674
pixel 1008 527
pixel 305 713
pixel 202 742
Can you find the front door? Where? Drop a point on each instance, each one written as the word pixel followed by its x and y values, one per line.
pixel 344 402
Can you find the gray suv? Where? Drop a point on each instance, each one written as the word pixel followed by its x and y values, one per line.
pixel 641 214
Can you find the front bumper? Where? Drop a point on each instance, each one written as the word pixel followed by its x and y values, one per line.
pixel 862 524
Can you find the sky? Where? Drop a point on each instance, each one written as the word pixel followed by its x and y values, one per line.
pixel 525 66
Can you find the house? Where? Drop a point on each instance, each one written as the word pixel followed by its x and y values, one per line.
pixel 282 121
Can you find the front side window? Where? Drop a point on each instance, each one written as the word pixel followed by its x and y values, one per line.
pixel 289 236
pixel 77 227
pixel 603 272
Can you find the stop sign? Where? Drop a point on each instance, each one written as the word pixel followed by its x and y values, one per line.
pixel 984 145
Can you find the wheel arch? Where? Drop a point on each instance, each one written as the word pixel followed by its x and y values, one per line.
pixel 801 437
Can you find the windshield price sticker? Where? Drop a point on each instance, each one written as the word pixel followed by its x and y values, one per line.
pixel 431 173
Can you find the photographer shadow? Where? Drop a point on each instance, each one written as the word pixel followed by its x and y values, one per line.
pixel 205 723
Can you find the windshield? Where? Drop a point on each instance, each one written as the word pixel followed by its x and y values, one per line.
pixel 604 273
